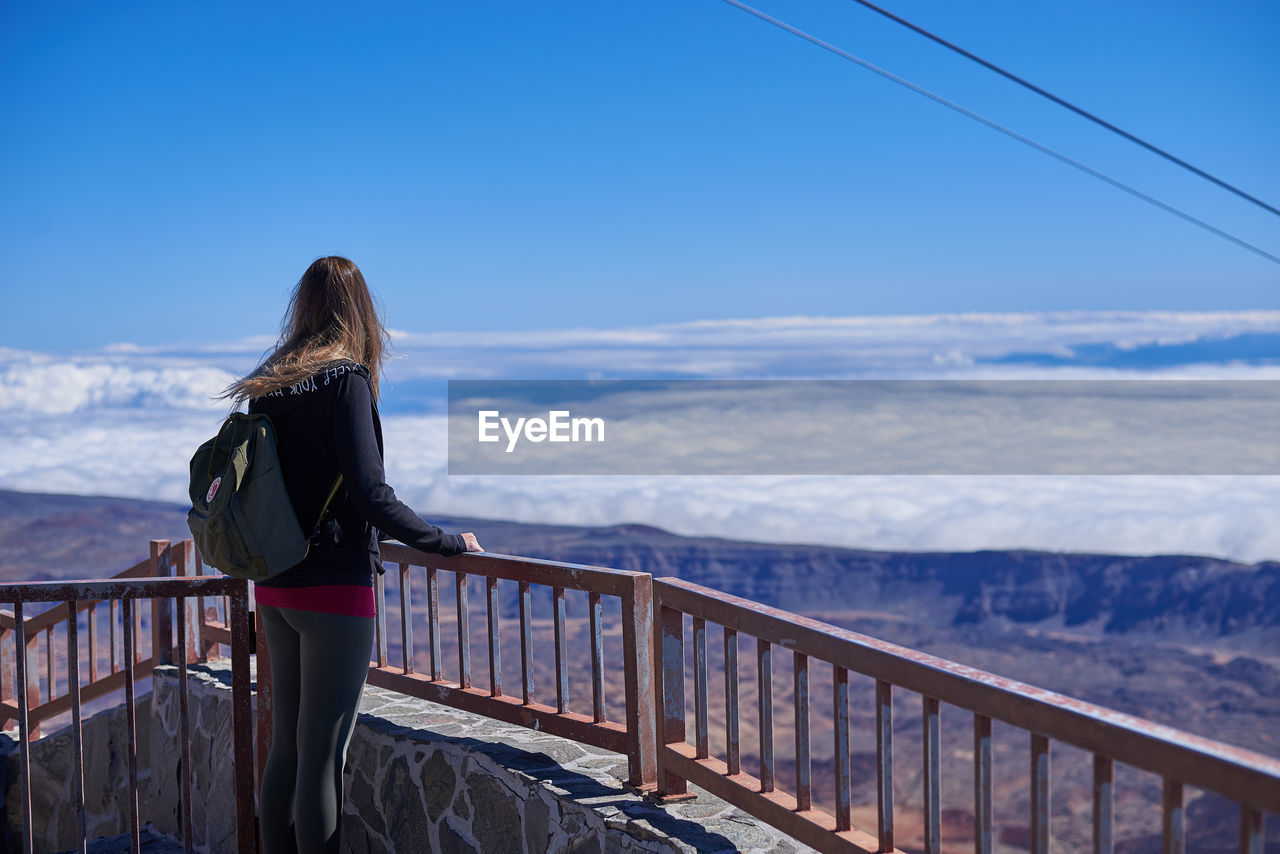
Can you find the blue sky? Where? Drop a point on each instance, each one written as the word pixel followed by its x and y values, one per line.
pixel 170 169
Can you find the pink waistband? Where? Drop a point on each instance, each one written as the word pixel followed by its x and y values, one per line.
pixel 355 600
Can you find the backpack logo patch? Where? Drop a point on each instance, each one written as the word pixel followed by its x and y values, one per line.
pixel 213 490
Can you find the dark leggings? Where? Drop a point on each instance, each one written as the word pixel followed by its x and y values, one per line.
pixel 318 666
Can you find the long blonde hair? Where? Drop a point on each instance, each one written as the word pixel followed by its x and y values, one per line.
pixel 331 316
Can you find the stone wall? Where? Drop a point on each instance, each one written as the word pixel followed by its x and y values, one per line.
pixel 419 777
pixel 106 770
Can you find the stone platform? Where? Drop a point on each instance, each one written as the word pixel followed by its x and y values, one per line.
pixel 421 771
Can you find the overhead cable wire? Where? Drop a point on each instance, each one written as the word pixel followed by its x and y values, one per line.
pixel 1062 102
pixel 1012 134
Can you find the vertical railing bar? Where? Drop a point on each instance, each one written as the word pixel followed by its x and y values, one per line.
pixel 1103 804
pixel 406 620
pixel 701 750
pixel 981 784
pixel 464 629
pixel 804 784
pixel 495 642
pixel 639 683
pixel 137 634
pixel 184 727
pixel 433 620
pixel 1173 835
pixel 9 684
pixel 562 650
pixel 111 612
pixel 526 643
pixel 884 764
pixel 597 657
pixel 732 734
pixel 131 723
pixel 161 620
pixel 202 647
pixel 93 641
pixel 840 717
pixel 1251 835
pixel 24 726
pixel 31 655
pixel 932 736
pixel 764 680
pixel 193 622
pixel 48 663
pixel 77 736
pixel 669 645
pixel 265 730
pixel 380 623
pixel 1039 793
pixel 242 720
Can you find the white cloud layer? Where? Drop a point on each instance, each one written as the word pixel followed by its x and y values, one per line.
pixel 37 383
pixel 124 421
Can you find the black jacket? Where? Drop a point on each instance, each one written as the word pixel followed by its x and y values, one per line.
pixel 326 424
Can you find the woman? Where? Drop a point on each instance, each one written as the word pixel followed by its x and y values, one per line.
pixel 320 387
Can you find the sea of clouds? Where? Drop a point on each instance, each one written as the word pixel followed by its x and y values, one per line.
pixel 124 420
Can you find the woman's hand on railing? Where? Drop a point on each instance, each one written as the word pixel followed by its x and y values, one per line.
pixel 473 545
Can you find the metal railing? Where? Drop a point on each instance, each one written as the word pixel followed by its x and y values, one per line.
pixel 203 631
pixel 78 596
pixel 1250 779
pixel 633 735
pixel 651 615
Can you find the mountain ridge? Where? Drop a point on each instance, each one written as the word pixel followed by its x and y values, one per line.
pixel 1187 597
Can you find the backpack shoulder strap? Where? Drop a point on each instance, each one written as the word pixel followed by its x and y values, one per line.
pixel 333 491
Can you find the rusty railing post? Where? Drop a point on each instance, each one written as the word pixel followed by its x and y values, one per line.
pixel 669 690
pixel 192 619
pixel 208 612
pixel 131 720
pixel 1040 786
pixel 32 675
pixel 161 608
pixel 77 734
pixel 265 700
pixel 24 663
pixel 184 712
pixel 8 678
pixel 637 664
pixel 242 720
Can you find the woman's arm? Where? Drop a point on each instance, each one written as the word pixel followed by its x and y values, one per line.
pixel 360 462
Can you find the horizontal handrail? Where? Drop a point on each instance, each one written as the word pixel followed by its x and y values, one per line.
pixel 550 573
pixel 110 588
pixel 58 613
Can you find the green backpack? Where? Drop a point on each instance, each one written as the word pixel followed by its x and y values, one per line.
pixel 241 517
